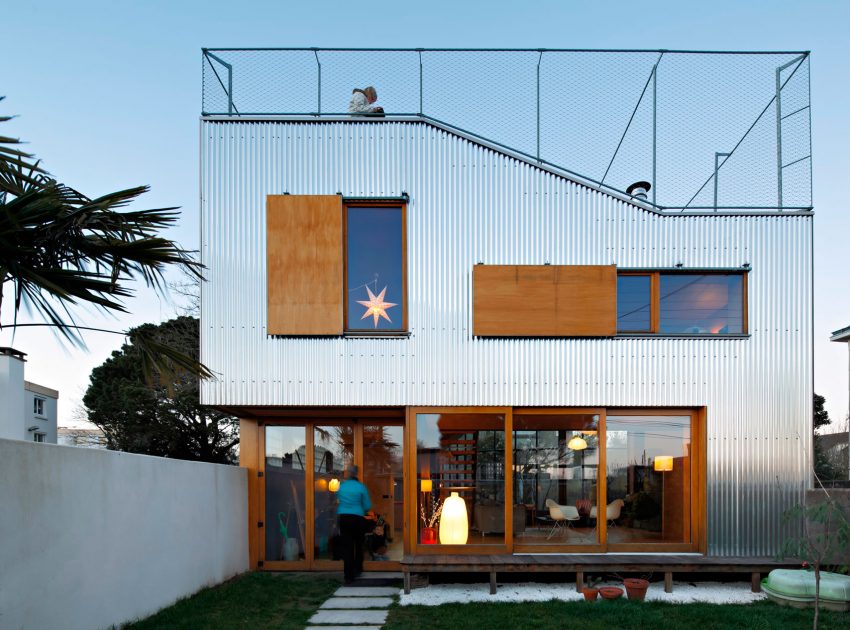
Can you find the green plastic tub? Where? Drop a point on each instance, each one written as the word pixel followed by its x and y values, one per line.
pixel 796 588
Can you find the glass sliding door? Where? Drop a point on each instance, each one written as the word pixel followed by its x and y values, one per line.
pixel 285 474
pixel 460 479
pixel 333 452
pixel 555 477
pixel 382 472
pixel 649 468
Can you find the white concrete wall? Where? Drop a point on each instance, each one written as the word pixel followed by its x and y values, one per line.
pixel 12 399
pixel 92 538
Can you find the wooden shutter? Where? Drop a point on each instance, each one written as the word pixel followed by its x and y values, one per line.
pixel 304 246
pixel 544 301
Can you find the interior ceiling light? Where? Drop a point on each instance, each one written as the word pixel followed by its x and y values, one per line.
pixel 577 443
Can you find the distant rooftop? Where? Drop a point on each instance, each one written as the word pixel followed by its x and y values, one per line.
pixel 841 335
pixel 711 131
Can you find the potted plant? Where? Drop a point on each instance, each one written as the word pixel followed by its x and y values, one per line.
pixel 636 588
pixel 591 591
pixel 428 534
pixel 611 592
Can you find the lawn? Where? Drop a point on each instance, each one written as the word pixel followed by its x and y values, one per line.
pixel 254 600
pixel 608 615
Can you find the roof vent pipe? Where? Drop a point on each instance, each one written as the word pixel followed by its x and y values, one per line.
pixel 638 190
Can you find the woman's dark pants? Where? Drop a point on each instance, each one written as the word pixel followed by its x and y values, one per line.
pixel 351 531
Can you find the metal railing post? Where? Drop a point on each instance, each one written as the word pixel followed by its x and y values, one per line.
pixel 539 59
pixel 419 50
pixel 229 89
pixel 779 137
pixel 319 64
pixel 654 129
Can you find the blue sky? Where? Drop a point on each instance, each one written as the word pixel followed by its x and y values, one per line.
pixel 108 95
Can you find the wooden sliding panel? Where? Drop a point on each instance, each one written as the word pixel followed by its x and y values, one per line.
pixel 304 246
pixel 544 301
pixel 249 458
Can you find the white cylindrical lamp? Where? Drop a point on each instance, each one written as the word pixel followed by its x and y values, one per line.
pixel 454 524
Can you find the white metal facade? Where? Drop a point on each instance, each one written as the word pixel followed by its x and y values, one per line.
pixel 469 204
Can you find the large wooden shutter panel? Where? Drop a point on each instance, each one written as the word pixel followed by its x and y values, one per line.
pixel 544 301
pixel 304 245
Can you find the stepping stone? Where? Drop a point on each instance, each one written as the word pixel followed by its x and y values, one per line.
pixel 381 575
pixel 344 627
pixel 366 591
pixel 349 617
pixel 353 603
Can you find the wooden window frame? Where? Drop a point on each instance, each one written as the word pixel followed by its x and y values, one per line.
pixel 404 330
pixel 601 481
pixel 699 541
pixel 412 481
pixel 655 301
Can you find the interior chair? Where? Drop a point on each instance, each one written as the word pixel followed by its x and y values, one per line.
pixel 612 511
pixel 562 516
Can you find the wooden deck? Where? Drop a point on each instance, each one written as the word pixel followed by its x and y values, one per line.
pixel 581 563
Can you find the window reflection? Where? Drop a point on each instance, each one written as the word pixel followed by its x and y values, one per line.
pixel 375 269
pixel 333 452
pixel 384 478
pixel 649 479
pixel 556 459
pixel 633 303
pixel 701 304
pixel 285 473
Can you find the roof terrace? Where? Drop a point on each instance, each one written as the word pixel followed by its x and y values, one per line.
pixel 711 131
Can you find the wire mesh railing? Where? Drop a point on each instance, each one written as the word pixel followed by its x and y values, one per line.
pixel 711 131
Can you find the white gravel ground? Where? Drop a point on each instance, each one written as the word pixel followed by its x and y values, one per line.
pixel 683 593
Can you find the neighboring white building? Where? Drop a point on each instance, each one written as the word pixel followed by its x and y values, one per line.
pixel 29 410
pixel 86 438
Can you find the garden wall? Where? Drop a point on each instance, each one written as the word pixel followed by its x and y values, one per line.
pixel 92 538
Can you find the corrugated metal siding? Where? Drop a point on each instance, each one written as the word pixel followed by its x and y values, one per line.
pixel 471 204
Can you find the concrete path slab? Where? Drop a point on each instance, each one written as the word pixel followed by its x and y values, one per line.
pixel 355 603
pixel 349 617
pixel 381 575
pixel 344 627
pixel 366 591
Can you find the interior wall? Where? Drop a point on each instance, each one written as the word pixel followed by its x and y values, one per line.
pixel 92 538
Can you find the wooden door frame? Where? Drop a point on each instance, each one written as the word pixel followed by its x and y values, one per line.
pixel 356 420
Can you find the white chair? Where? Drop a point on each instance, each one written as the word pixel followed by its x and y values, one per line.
pixel 612 511
pixel 563 516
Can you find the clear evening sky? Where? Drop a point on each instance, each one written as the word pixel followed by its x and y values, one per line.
pixel 108 96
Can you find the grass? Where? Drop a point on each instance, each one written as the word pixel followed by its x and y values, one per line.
pixel 608 615
pixel 253 600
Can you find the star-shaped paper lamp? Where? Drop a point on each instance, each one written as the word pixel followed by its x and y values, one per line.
pixel 376 307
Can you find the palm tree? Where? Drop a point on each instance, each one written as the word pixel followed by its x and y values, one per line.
pixel 60 248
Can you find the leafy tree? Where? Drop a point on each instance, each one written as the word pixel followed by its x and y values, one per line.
pixel 825 468
pixel 160 416
pixel 821 415
pixel 60 248
pixel 825 537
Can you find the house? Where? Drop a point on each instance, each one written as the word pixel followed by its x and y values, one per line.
pixel 563 365
pixel 29 410
pixel 82 436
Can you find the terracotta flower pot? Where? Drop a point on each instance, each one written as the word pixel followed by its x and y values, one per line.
pixel 428 536
pixel 590 594
pixel 611 592
pixel 636 588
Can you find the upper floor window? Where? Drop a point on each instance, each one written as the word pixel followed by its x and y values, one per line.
pixel 375 268
pixel 38 437
pixel 38 406
pixel 681 303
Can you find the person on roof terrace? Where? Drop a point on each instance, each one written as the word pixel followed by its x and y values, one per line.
pixel 361 101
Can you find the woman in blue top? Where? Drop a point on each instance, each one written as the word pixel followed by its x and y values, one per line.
pixel 354 502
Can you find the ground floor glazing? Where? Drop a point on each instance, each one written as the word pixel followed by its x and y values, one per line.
pixel 475 480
